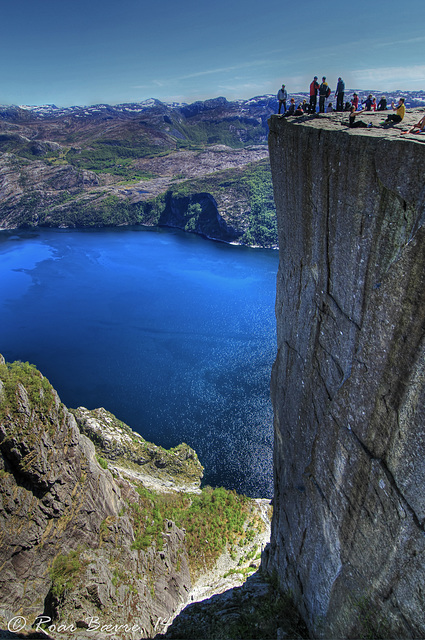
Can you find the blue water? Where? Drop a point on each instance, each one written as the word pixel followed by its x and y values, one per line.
pixel 173 333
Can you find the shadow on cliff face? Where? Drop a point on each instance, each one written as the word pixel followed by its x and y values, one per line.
pixel 253 611
pixel 198 214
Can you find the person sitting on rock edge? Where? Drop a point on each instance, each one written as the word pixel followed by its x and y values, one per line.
pixel 420 126
pixel 398 116
pixel 291 110
pixel 359 124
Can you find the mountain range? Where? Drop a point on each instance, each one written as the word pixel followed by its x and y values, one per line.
pixel 268 102
pixel 202 167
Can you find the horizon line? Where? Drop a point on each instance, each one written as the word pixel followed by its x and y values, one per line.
pixel 171 102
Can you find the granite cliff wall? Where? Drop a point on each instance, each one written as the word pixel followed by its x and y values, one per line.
pixel 348 381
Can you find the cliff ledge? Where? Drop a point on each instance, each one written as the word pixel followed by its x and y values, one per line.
pixel 348 381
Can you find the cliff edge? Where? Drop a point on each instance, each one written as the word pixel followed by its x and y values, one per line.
pixel 348 380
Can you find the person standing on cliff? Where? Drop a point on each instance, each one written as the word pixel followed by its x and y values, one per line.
pixel 314 88
pixel 324 92
pixel 282 96
pixel 339 94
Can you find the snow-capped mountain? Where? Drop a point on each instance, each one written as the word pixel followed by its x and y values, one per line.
pixel 268 102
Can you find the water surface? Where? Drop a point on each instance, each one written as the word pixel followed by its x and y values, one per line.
pixel 172 333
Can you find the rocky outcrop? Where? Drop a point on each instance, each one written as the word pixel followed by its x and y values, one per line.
pixel 132 456
pixel 68 526
pixel 88 511
pixel 208 222
pixel 253 610
pixel 348 384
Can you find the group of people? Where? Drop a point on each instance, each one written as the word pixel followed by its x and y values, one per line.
pixel 323 92
pixel 395 118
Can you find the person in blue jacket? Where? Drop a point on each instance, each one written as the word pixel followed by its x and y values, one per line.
pixel 368 102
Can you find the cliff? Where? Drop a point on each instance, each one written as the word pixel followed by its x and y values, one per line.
pixel 348 380
pixel 99 527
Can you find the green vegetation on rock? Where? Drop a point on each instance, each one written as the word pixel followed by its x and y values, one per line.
pixel 95 539
pixel 249 188
pixel 212 520
pixel 65 571
pixel 117 442
pixel 38 389
pixel 113 156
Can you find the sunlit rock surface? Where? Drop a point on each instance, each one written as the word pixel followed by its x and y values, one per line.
pixel 348 381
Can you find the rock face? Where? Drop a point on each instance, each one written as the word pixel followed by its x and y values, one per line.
pixel 131 456
pixel 348 381
pixel 67 525
pixel 103 534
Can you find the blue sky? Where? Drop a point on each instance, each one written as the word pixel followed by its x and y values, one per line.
pixel 92 51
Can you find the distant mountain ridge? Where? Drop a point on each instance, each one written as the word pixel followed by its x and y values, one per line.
pixel 267 101
pixel 202 167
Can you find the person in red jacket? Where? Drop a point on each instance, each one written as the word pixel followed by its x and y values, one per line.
pixel 314 88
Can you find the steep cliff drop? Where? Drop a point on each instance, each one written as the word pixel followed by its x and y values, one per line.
pixel 348 382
